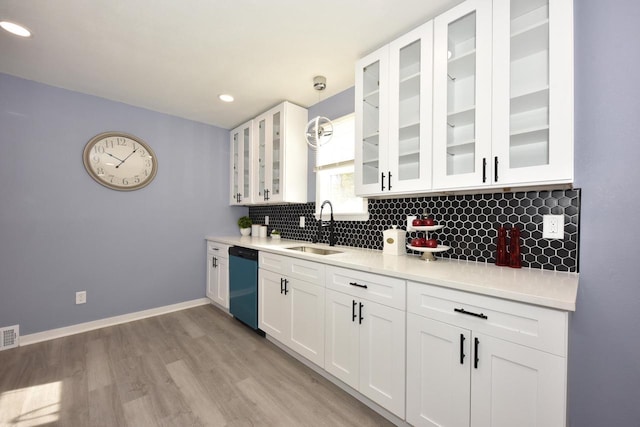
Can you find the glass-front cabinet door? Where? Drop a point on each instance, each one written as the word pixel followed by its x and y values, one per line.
pixel 532 91
pixel 261 162
pixel 270 153
pixel 410 111
pixel 462 96
pixel 241 164
pixel 275 182
pixel 371 109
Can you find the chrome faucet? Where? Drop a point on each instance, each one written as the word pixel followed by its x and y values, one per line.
pixel 331 224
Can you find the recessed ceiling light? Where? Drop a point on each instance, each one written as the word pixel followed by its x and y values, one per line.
pixel 16 29
pixel 225 97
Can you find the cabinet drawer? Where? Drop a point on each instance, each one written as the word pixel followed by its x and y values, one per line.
pixel 271 262
pixel 525 324
pixel 220 250
pixel 373 287
pixel 291 267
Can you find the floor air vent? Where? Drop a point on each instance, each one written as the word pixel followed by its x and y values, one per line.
pixel 9 337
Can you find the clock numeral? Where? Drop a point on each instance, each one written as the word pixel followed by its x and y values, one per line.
pixel 108 143
pixel 111 177
pixel 147 162
pixel 121 141
pixel 99 149
pixel 146 172
pixel 125 181
pixel 136 179
pixel 142 153
pixel 96 159
pixel 100 171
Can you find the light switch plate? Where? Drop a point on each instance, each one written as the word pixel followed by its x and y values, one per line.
pixel 301 222
pixel 266 220
pixel 553 226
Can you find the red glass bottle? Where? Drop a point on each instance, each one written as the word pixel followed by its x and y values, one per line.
pixel 502 258
pixel 515 259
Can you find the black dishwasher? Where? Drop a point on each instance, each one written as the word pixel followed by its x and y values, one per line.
pixel 243 285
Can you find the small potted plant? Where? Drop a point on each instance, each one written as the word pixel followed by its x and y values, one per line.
pixel 275 234
pixel 245 225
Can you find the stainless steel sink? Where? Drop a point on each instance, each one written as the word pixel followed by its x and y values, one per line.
pixel 314 250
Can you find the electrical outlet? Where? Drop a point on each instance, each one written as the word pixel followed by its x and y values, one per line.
pixel 266 220
pixel 81 297
pixel 301 222
pixel 553 226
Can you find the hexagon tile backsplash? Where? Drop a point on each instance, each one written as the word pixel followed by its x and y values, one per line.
pixel 470 224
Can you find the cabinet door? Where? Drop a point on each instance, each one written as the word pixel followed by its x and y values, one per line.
pixel 212 277
pixel 515 385
pixel 275 155
pixel 241 139
pixel 306 319
pixel 262 129
pixel 438 373
pixel 382 355
pixel 532 91
pixel 410 110
pixel 372 136
pixel 462 96
pixel 342 334
pixel 273 306
pixel 222 296
pixel 218 280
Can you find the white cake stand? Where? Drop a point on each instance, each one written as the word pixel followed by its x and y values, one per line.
pixel 427 253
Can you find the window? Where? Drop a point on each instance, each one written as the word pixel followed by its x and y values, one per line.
pixel 335 180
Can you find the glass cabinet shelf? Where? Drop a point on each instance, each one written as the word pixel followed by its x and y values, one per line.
pixel 530 41
pixel 372 98
pixel 465 116
pixel 409 131
pixel 529 101
pixel 462 66
pixel 410 86
pixel 463 147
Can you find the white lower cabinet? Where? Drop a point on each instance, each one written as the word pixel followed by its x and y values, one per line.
pixel 218 273
pixel 291 310
pixel 365 340
pixel 470 372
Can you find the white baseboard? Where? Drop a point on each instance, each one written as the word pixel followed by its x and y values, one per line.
pixel 110 321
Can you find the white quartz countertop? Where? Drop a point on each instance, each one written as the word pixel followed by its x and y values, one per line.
pixel 546 288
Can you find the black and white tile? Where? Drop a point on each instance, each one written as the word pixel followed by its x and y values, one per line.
pixel 470 224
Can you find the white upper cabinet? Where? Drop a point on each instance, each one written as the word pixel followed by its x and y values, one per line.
pixel 265 158
pixel 532 91
pixel 372 84
pixel 280 175
pixel 241 138
pixel 393 116
pixel 480 97
pixel 462 95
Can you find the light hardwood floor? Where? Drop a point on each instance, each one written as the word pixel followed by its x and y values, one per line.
pixel 189 368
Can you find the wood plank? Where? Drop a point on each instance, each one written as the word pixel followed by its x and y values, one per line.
pixel 195 367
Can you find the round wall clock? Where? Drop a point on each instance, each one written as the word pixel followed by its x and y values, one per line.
pixel 120 161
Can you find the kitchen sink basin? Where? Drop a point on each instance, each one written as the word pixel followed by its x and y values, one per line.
pixel 313 250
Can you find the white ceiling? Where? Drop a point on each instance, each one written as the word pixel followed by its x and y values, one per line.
pixel 177 56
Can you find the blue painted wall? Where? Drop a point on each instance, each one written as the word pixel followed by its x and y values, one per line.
pixel 61 232
pixel 604 365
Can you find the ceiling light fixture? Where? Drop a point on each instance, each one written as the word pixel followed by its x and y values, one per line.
pixel 16 29
pixel 225 97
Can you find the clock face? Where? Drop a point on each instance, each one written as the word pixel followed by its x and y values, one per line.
pixel 120 161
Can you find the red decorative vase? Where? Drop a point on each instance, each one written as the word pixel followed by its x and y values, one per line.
pixel 515 259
